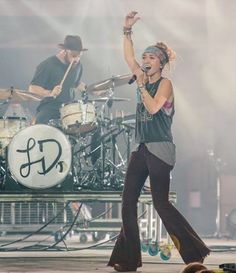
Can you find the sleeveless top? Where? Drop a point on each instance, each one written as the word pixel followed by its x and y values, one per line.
pixel 155 130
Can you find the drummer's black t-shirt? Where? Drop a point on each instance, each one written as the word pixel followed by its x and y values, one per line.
pixel 50 73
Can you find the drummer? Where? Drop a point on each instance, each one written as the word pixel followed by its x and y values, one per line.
pixel 57 78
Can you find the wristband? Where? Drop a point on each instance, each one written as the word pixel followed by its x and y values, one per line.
pixel 127 30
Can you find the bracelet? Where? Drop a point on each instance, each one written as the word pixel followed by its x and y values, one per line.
pixel 127 30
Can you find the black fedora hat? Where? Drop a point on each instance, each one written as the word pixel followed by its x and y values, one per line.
pixel 72 42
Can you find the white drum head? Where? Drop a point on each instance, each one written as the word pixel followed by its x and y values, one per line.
pixel 39 156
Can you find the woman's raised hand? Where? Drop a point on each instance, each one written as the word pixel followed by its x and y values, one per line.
pixel 131 19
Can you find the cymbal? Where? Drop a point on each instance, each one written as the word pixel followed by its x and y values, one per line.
pixel 104 99
pixel 16 95
pixel 112 82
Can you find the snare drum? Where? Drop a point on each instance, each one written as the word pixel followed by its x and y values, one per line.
pixel 9 126
pixel 39 156
pixel 78 117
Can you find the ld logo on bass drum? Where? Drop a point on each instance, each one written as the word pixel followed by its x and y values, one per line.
pixel 39 156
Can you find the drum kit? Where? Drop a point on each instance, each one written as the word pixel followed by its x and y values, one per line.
pixel 86 144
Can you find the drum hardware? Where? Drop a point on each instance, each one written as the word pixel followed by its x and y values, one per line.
pixel 107 172
pixel 111 99
pixel 124 120
pixel 16 95
pixel 3 172
pixel 39 157
pixel 116 150
pixel 84 97
pixel 104 173
pixel 55 123
pixel 78 118
pixel 8 182
pixel 99 166
pixel 108 101
pixel 102 130
pixel 90 157
pixel 101 139
pixel 110 83
pixel 4 102
pixel 117 174
pixel 9 126
pixel 88 171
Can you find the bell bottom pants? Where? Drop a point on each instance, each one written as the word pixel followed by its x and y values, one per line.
pixel 127 250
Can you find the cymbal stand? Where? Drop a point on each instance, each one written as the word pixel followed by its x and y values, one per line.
pixel 107 103
pixel 102 145
pixel 81 166
pixel 115 163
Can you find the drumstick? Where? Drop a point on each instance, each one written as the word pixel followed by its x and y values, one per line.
pixel 67 71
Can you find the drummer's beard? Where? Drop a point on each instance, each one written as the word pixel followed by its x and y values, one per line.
pixel 68 60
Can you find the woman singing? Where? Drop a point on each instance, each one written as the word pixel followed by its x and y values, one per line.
pixel 154 157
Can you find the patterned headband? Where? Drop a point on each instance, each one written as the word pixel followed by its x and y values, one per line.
pixel 161 54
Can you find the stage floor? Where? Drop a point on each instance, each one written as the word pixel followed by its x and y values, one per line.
pixel 94 260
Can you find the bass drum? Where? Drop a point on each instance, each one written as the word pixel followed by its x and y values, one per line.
pixel 39 156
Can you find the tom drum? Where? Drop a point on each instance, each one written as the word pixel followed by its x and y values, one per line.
pixel 78 117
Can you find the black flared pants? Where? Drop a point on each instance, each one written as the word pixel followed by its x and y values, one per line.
pixel 127 249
